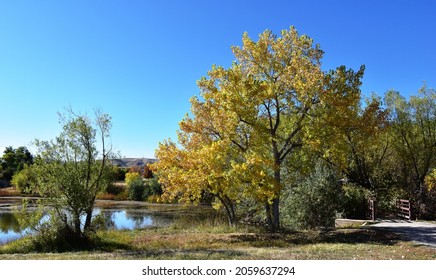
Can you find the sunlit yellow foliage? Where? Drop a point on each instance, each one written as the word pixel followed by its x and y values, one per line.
pixel 250 117
pixel 430 180
pixel 132 176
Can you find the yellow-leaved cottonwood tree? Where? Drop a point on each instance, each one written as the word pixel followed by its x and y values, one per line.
pixel 250 117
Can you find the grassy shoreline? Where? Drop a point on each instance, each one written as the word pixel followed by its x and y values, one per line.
pixel 205 235
pixel 221 243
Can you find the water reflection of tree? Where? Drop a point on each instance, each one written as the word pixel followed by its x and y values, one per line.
pixel 138 218
pixel 104 220
pixel 8 221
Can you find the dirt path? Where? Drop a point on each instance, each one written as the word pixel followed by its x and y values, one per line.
pixel 419 232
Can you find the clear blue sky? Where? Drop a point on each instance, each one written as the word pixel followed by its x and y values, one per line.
pixel 139 60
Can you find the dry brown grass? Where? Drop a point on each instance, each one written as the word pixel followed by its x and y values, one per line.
pixel 341 244
pixel 9 191
pixel 344 244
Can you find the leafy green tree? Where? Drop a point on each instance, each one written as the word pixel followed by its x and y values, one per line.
pixel 414 133
pixel 118 173
pixel 14 160
pixel 25 179
pixel 361 147
pixel 71 170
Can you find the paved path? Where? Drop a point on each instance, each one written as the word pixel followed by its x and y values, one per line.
pixel 419 232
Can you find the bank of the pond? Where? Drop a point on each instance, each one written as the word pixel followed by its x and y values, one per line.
pixel 119 215
pixel 201 233
pixel 201 242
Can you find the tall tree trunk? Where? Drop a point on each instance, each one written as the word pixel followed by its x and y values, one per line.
pixel 88 220
pixel 275 206
pixel 274 209
pixel 275 214
pixel 77 229
pixel 89 214
pixel 230 210
pixel 269 218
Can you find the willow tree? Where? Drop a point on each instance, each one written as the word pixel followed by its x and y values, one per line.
pixel 71 170
pixel 263 107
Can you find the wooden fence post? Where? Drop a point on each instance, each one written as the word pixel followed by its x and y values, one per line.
pixel 371 209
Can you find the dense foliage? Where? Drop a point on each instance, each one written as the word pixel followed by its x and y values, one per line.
pixel 13 161
pixel 252 118
pixel 71 170
pixel 268 117
pixel 314 200
pixel 135 186
pixel 25 180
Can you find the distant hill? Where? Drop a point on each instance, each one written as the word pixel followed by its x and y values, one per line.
pixel 129 162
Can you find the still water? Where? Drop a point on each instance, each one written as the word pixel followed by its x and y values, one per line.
pixel 118 218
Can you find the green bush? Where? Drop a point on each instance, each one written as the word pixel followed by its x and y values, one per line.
pixel 354 199
pixel 118 173
pixel 429 205
pixel 136 190
pixel 152 188
pixel 135 186
pixel 313 202
pixel 25 180
pixel 114 189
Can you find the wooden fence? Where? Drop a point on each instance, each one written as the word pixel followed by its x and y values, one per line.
pixel 404 209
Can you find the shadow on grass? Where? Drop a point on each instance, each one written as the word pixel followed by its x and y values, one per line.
pixel 344 236
pixel 109 245
pixel 28 245
pixel 184 254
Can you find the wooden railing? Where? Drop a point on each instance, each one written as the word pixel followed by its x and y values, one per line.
pixel 404 209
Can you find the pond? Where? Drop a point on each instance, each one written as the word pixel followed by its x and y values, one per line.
pixel 116 215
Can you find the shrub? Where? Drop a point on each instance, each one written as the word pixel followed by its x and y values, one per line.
pixel 313 202
pixel 152 188
pixel 24 180
pixel 135 186
pixel 429 204
pixel 114 188
pixel 118 173
pixel 354 201
pixel 56 236
pixel 131 176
